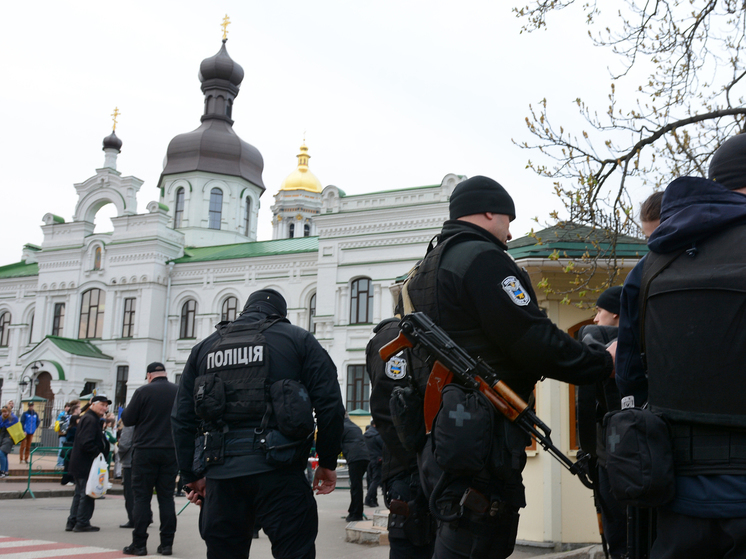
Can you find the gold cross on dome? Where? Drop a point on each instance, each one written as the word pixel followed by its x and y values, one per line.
pixel 114 115
pixel 224 25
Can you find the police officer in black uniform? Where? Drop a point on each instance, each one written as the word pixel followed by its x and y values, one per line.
pixel 246 396
pixel 472 288
pixel 411 527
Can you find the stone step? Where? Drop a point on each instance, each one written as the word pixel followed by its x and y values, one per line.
pixel 366 533
pixel 381 518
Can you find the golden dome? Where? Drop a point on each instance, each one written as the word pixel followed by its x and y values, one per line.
pixel 302 178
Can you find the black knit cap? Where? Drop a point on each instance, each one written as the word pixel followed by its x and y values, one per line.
pixel 479 195
pixel 268 301
pixel 728 164
pixel 611 300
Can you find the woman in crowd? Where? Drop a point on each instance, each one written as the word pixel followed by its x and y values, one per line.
pixel 7 418
pixel 69 441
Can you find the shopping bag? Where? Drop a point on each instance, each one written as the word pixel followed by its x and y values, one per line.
pixel 98 478
pixel 16 432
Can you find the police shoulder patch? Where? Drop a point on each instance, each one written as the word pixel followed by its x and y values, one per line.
pixel 515 291
pixel 396 367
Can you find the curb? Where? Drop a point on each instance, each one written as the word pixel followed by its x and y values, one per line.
pixel 45 493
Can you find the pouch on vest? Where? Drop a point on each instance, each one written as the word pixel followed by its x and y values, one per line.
pixel 639 457
pixel 292 408
pixel 209 397
pixel 462 431
pixel 406 407
pixel 281 451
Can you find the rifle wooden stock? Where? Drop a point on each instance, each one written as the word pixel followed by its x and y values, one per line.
pixel 394 347
pixel 503 406
pixel 436 382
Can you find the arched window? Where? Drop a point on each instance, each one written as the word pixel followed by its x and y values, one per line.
pixel 361 301
pixel 247 217
pixel 92 314
pixel 311 314
pixel 230 306
pixel 31 329
pixel 179 212
pixel 4 329
pixel 291 230
pixel 97 258
pixel 307 230
pixel 216 208
pixel 188 312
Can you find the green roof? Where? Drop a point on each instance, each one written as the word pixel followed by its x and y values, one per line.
pixel 78 347
pixel 249 250
pixel 572 241
pixel 19 270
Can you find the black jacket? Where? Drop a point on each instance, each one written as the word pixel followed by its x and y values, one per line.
pixel 375 444
pixel 149 412
pixel 354 448
pixel 487 305
pixel 90 441
pixel 295 354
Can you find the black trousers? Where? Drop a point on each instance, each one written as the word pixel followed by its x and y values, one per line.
pixel 280 501
pixel 614 517
pixel 401 488
pixel 154 468
pixel 374 482
pixel 688 537
pixel 357 471
pixel 129 498
pixel 82 507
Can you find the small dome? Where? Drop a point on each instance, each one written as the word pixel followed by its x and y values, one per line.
pixel 221 67
pixel 112 142
pixel 302 178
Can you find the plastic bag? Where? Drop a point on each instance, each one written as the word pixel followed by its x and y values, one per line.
pixel 98 478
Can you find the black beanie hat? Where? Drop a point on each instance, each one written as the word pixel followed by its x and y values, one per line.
pixel 478 195
pixel 268 301
pixel 611 300
pixel 728 164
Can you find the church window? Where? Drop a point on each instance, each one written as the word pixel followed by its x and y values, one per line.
pixel 179 212
pixel 291 231
pixel 31 328
pixel 92 314
pixel 97 258
pixel 128 321
pixel 311 314
pixel 188 312
pixel 358 388
pixel 216 208
pixel 230 306
pixel 247 217
pixel 120 392
pixel 4 329
pixel 306 230
pixel 58 321
pixel 361 301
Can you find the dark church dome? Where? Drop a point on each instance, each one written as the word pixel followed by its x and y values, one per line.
pixel 112 142
pixel 221 67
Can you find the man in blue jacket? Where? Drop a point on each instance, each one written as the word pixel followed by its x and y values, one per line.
pixel 29 421
pixel 683 350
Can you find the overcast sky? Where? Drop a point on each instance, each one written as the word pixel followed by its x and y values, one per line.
pixel 389 94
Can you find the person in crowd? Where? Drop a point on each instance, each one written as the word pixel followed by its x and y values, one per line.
pixel 72 428
pixel 691 294
pixel 470 286
pixel 374 442
pixel 355 452
pixel 7 418
pixel 154 459
pixel 254 468
pixel 650 213
pixel 29 422
pixel 63 418
pixel 89 442
pixel 125 458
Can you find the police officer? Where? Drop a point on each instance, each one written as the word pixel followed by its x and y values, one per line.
pixel 248 391
pixel 472 288
pixel 691 291
pixel 410 525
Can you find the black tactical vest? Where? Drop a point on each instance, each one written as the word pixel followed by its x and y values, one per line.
pixel 694 338
pixel 240 359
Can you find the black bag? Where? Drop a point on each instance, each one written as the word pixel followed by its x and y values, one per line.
pixel 407 414
pixel 281 451
pixel 292 409
pixel 209 397
pixel 462 431
pixel 639 457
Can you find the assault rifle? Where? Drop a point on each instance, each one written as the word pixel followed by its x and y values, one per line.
pixel 453 364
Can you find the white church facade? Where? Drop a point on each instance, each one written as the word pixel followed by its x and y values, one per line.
pixel 88 311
